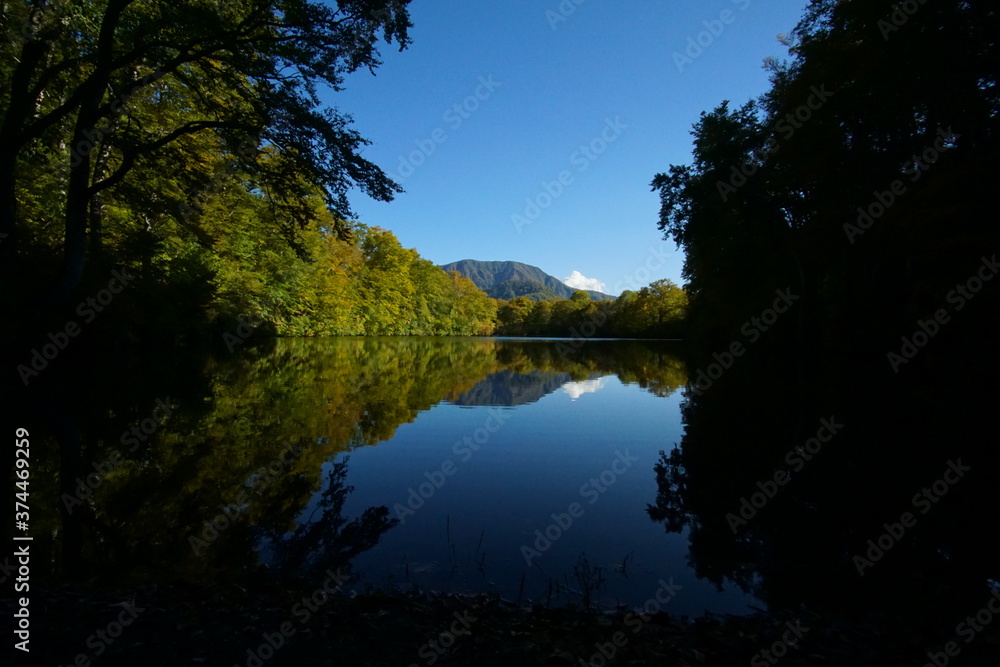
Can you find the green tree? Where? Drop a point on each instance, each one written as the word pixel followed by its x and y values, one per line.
pixel 862 99
pixel 511 316
pixel 78 89
pixel 386 294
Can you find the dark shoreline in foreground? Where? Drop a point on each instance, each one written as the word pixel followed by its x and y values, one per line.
pixel 184 624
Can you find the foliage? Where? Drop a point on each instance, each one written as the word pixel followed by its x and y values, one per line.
pixel 292 403
pixel 655 311
pixel 779 190
pixel 186 142
pixel 863 182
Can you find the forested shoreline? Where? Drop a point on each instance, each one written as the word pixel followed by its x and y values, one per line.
pixel 214 184
pixel 173 184
pixel 191 163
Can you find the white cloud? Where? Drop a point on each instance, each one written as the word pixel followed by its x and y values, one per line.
pixel 577 280
pixel 578 389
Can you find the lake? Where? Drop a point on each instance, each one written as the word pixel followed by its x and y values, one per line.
pixel 539 467
pixel 541 471
pixel 520 467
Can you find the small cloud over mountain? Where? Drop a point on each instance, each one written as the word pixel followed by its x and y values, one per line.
pixel 577 280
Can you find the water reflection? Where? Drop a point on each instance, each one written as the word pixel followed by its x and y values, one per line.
pixel 325 539
pixel 292 458
pixel 509 388
pixel 798 543
pixel 577 389
pixel 244 474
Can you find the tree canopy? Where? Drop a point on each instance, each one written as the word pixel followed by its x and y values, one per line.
pixel 121 118
pixel 862 179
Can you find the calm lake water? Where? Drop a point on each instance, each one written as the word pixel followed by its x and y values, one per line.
pixel 539 470
pixel 520 467
pixel 527 472
pixel 532 478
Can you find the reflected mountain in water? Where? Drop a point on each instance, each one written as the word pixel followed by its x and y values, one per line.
pixel 243 449
pixel 509 388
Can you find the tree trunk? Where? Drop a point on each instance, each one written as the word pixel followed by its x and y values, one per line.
pixel 96 251
pixel 85 137
pixel 8 206
pixel 75 246
pixel 20 108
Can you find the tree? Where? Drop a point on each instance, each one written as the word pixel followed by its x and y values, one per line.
pixel 663 306
pixel 657 310
pixel 794 191
pixel 539 319
pixel 386 294
pixel 511 316
pixel 246 72
pixel 474 312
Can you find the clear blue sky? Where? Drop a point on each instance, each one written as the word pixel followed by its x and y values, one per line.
pixel 607 69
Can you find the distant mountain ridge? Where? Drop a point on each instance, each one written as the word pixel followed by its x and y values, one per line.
pixel 508 388
pixel 507 280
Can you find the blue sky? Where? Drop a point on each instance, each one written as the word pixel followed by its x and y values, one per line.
pixel 524 132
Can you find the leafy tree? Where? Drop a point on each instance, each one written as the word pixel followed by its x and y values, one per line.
pixel 659 308
pixel 511 316
pixel 105 91
pixel 474 312
pixel 656 311
pixel 386 289
pixel 796 191
pixel 777 188
pixel 539 319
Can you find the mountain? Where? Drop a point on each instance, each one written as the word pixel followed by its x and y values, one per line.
pixel 506 280
pixel 507 388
